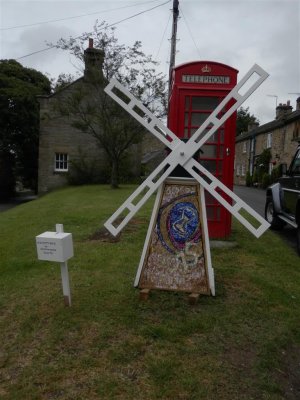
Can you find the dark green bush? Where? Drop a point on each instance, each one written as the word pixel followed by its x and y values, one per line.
pixel 266 180
pixel 249 180
pixel 255 178
pixel 83 171
pixel 7 176
pixel 275 174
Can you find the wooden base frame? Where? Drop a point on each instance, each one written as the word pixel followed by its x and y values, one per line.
pixel 176 253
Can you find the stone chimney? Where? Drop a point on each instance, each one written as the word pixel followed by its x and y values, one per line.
pixel 298 104
pixel 93 62
pixel 252 126
pixel 283 110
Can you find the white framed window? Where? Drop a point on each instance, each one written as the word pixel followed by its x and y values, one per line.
pixel 61 162
pixel 269 140
pixel 251 168
pixel 271 167
pixel 243 170
pixel 238 170
pixel 252 145
pixel 245 147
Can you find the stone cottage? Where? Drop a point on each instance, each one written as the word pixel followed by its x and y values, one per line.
pixel 281 136
pixel 62 146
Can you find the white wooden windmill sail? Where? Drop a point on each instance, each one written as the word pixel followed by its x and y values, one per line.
pixel 182 154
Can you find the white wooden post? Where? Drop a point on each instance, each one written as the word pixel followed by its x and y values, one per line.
pixel 64 273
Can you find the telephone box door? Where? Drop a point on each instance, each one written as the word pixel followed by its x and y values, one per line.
pixel 215 154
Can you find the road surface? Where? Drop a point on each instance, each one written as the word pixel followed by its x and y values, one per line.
pixel 16 201
pixel 256 198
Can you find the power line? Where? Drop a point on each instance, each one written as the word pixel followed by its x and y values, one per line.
pixel 36 52
pixel 163 37
pixel 107 26
pixel 73 17
pixel 188 28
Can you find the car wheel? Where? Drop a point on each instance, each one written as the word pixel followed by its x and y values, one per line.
pixel 271 217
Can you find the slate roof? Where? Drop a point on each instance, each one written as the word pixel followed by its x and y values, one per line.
pixel 269 126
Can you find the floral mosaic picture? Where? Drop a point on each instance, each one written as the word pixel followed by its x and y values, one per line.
pixel 175 258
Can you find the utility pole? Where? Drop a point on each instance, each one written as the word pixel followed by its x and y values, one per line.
pixel 173 41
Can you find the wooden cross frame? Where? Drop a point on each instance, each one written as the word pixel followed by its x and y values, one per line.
pixel 182 154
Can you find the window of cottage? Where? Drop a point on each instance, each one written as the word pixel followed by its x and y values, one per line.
pixel 244 147
pixel 269 140
pixel 61 162
pixel 271 167
pixel 238 170
pixel 243 169
pixel 251 167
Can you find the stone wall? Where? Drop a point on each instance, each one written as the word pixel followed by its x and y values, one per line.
pixel 285 134
pixel 241 162
pixel 58 136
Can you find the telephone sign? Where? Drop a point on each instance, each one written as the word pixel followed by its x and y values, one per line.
pixel 197 89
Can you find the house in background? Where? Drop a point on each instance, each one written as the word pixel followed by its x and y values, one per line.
pixel 62 146
pixel 280 136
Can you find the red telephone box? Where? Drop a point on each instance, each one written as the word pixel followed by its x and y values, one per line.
pixel 196 90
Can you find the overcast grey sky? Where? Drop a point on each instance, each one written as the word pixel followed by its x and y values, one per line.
pixel 235 32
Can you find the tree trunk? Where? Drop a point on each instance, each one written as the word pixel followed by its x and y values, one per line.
pixel 114 178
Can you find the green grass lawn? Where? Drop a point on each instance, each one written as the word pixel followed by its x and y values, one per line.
pixel 242 344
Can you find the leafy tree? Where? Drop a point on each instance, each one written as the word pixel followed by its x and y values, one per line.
pixel 244 118
pixel 262 164
pixel 263 160
pixel 275 174
pixel 62 81
pixel 249 179
pixel 7 179
pixel 94 112
pixel 19 124
pixel 266 180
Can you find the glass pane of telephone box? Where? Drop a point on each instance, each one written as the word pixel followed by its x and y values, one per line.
pixel 204 103
pixel 213 138
pixel 186 119
pixel 221 135
pixel 221 151
pixel 209 199
pixel 187 103
pixel 198 118
pixel 210 165
pixel 209 151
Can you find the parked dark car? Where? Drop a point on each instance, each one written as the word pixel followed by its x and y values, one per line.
pixel 283 199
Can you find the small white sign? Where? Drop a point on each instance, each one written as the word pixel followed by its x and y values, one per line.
pixel 52 246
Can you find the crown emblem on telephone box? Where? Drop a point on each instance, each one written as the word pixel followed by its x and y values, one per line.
pixel 206 69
